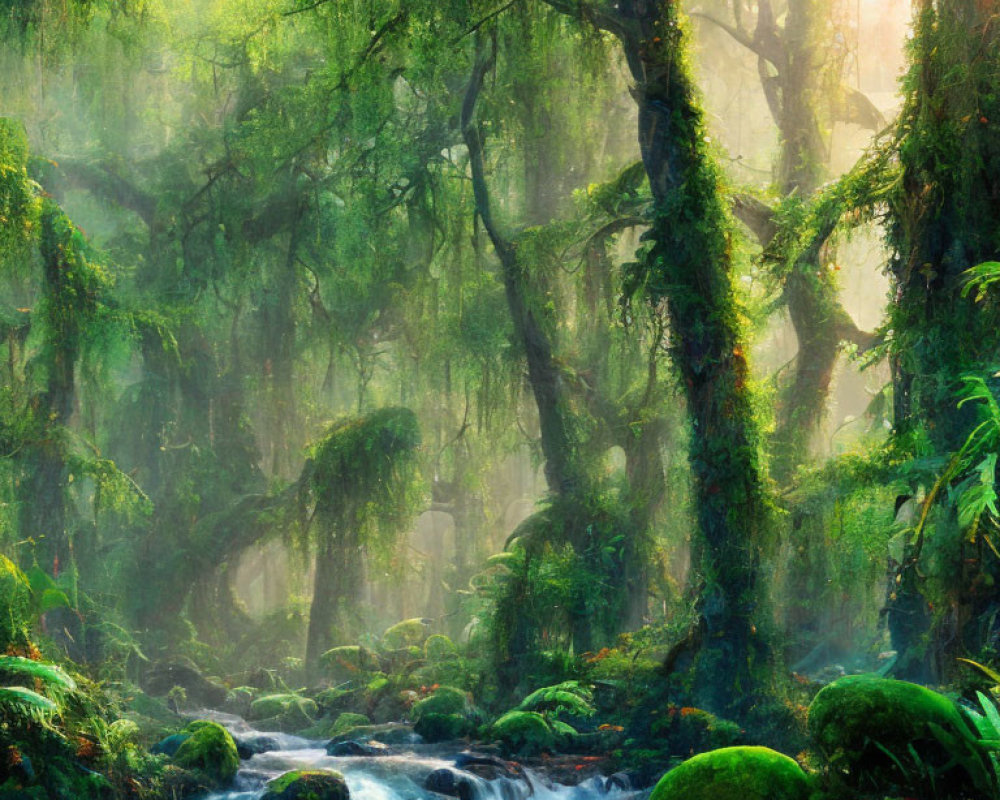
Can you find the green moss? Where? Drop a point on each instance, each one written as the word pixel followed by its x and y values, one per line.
pixel 446 700
pixel 439 648
pixel 15 605
pixel 348 662
pixel 349 720
pixel 735 773
pixel 276 705
pixel 408 633
pixel 523 733
pixel 308 785
pixel 442 727
pixel 886 731
pixel 210 750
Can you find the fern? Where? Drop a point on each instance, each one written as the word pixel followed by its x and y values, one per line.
pixel 570 697
pixel 981 278
pixel 51 675
pixel 19 705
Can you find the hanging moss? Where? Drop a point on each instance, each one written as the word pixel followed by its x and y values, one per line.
pixel 360 472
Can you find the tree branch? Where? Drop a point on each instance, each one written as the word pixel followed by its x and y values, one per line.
pixel 757 216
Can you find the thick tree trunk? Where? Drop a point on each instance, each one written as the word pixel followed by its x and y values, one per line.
pixel 689 267
pixel 336 584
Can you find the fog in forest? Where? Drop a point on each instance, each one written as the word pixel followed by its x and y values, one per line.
pixel 597 390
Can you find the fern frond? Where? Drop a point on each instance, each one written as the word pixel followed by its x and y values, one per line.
pixel 570 697
pixel 22 668
pixel 18 702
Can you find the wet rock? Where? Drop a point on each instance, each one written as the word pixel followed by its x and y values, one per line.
pixel 392 733
pixel 488 767
pixel 449 782
pixel 320 784
pixel 352 748
pixel 169 745
pixel 619 782
pixel 250 746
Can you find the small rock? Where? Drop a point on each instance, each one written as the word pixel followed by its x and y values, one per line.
pixel 447 781
pixel 353 748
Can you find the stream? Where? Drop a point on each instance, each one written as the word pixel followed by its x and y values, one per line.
pixel 401 774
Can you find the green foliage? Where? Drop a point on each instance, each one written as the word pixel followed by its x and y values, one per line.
pixel 15 605
pixel 363 471
pixel 52 676
pixel 19 706
pixel 570 697
pixel 523 733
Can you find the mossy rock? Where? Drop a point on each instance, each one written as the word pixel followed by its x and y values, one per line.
pixel 445 700
pixel 442 727
pixel 349 662
pixel 320 784
pixel 439 647
pixel 735 773
pixel 881 732
pixel 15 606
pixel 283 712
pixel 523 733
pixel 405 634
pixel 392 733
pixel 348 720
pixel 210 749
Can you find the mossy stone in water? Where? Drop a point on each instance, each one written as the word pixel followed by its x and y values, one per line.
pixel 210 749
pixel 272 705
pixel 320 784
pixel 735 773
pixel 857 719
pixel 523 733
pixel 348 720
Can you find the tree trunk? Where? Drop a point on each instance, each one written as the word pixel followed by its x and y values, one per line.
pixel 689 267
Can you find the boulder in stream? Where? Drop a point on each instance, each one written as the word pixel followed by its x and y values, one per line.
pixel 319 784
pixel 449 782
pixel 210 750
pixel 250 746
pixel 352 748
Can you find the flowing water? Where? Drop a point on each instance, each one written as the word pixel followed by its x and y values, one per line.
pixel 400 775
